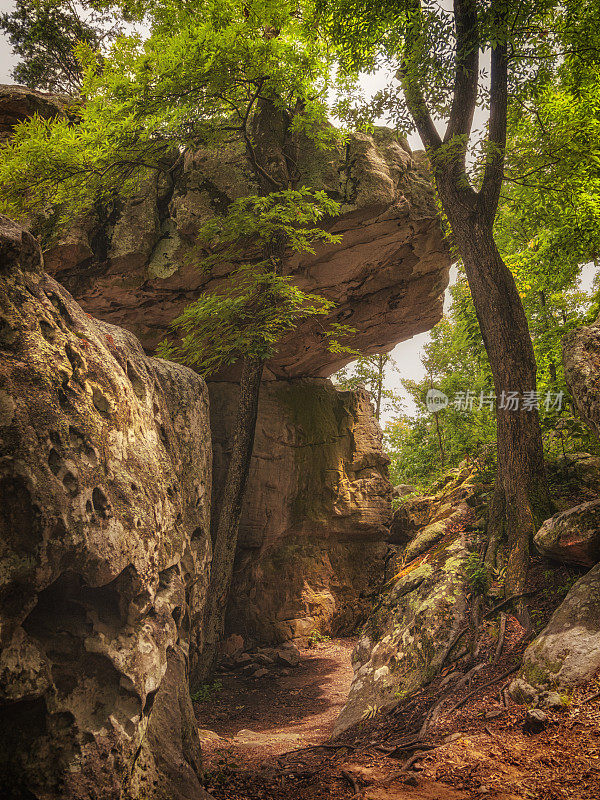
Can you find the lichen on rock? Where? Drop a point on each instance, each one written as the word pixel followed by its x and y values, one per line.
pixel 414 624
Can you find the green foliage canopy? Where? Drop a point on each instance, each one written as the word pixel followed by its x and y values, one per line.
pixel 45 33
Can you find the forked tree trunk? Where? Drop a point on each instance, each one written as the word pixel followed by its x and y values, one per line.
pixel 230 506
pixel 471 215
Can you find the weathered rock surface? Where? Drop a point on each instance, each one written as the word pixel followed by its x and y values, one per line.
pixel 105 479
pixel 314 530
pixel 413 628
pixel 573 536
pixel 582 470
pixel 18 103
pixel 403 489
pixel 416 513
pixel 581 354
pixel 131 266
pixel 567 651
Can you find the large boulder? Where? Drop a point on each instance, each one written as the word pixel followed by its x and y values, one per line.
pixel 573 536
pixel 566 653
pixel 105 480
pixel 313 537
pixel 410 632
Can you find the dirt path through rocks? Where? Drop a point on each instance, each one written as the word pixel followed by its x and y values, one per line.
pixel 251 719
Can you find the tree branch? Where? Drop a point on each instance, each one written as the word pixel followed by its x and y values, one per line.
pixel 409 75
pixel 494 168
pixel 466 74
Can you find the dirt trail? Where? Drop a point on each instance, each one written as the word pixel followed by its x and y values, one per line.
pixel 260 717
pixel 263 732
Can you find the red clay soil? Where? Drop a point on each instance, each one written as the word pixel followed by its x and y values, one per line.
pixel 278 712
pixel 270 730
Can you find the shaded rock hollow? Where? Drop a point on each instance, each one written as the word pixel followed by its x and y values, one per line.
pixel 105 479
pixel 313 539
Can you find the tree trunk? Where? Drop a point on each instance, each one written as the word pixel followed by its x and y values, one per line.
pixel 440 441
pixel 230 506
pixel 495 526
pixel 508 344
pixel 380 369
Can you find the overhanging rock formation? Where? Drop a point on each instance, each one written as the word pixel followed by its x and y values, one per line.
pixel 130 265
pixel 387 276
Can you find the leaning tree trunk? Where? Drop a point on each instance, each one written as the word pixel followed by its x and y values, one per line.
pixel 508 344
pixel 230 506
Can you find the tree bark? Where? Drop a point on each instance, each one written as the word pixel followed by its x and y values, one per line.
pixel 508 344
pixel 440 441
pixel 380 369
pixel 230 506
pixel 495 526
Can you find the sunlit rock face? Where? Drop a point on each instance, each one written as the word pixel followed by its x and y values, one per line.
pixel 313 539
pixel 105 480
pixel 414 624
pixel 134 264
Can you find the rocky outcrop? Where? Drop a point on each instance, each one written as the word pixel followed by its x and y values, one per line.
pixel 567 652
pixel 134 264
pixel 581 354
pixel 573 536
pixel 313 538
pixel 18 103
pixel 415 514
pixel 414 626
pixel 105 476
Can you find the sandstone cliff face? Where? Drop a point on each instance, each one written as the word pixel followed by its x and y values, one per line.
pixel 314 536
pixel 131 265
pixel 314 531
pixel 105 476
